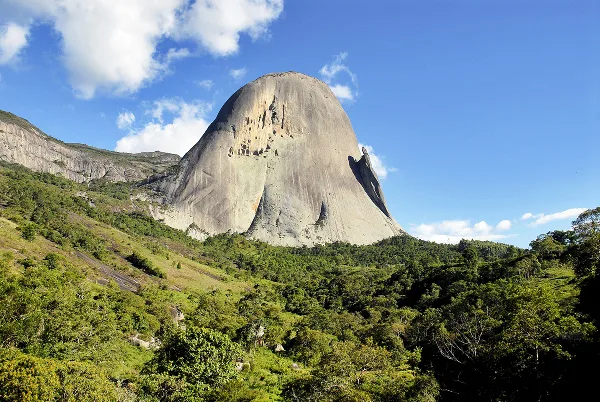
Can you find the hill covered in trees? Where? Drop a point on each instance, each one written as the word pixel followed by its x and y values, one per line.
pixel 99 302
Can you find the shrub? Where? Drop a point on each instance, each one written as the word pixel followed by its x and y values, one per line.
pixel 52 260
pixel 27 378
pixel 83 382
pixel 145 265
pixel 199 356
pixel 29 231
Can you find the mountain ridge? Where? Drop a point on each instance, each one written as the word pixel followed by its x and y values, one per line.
pixel 23 143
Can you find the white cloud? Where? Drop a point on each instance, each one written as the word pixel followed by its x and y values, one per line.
pixel 13 38
pixel 503 225
pixel 112 45
pixel 177 54
pixel 541 219
pixel 342 92
pixel 329 73
pixel 237 74
pixel 452 231
pixel 206 84
pixel 187 124
pixel 109 45
pixel 377 162
pixel 125 119
pixel 217 24
pixel 170 105
pixel 482 227
pixel 526 216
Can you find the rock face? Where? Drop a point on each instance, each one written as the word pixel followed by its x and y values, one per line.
pixel 23 143
pixel 280 163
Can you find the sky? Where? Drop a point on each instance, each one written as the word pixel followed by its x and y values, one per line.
pixel 482 117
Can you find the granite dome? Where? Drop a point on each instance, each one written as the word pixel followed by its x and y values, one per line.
pixel 281 164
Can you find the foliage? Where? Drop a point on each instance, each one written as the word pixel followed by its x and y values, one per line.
pixel 586 230
pixel 402 319
pixel 200 357
pixel 28 231
pixel 145 265
pixel 28 378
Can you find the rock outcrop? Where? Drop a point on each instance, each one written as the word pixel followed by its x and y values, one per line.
pixel 280 163
pixel 23 143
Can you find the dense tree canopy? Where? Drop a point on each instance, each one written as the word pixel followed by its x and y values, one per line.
pixel 402 319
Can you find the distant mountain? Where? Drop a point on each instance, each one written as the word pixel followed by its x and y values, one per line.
pixel 23 143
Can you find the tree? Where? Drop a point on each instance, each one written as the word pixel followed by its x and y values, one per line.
pixel 201 357
pixel 587 224
pixel 360 373
pixel 471 258
pixel 587 242
pixel 547 246
pixel 28 231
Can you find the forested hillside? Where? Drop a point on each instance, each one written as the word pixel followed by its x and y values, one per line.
pixel 99 302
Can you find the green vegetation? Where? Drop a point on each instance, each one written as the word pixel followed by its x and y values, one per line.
pixel 144 264
pixel 91 290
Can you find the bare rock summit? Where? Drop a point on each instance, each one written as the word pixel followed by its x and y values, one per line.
pixel 281 164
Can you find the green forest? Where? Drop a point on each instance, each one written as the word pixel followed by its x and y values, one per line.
pixel 100 302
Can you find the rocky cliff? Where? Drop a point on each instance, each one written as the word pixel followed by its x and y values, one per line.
pixel 23 143
pixel 280 163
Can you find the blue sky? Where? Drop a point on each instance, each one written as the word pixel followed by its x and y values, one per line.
pixel 478 111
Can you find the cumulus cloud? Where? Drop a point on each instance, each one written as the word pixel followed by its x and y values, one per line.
pixel 237 74
pixel 453 231
pixel 125 119
pixel 503 225
pixel 206 84
pixel 175 127
pixel 526 216
pixel 112 45
pixel 540 219
pixel 109 45
pixel 379 166
pixel 13 38
pixel 330 74
pixel 217 24
pixel 342 92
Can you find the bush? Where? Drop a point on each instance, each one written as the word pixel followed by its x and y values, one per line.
pixel 200 356
pixel 52 260
pixel 29 231
pixel 27 378
pixel 84 382
pixel 145 265
pixel 234 391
